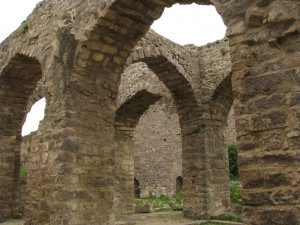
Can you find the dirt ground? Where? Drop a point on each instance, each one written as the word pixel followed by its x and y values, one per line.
pixel 156 218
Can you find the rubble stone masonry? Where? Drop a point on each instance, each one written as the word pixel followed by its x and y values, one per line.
pixel 81 165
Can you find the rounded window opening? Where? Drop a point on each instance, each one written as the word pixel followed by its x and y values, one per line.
pixel 34 117
pixel 179 184
pixel 137 190
pixel 190 24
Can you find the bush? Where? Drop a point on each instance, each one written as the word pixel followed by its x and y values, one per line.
pixel 235 192
pixel 233 163
pixel 23 172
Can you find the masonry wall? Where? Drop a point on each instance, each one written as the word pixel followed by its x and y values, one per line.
pixel 230 132
pixel 158 150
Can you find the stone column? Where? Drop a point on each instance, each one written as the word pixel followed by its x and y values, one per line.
pixel 124 169
pixel 217 172
pixel 195 204
pixel 264 38
pixel 71 179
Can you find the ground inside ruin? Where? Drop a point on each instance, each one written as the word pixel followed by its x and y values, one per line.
pixel 155 218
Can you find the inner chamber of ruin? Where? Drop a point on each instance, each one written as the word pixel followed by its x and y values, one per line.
pixel 104 73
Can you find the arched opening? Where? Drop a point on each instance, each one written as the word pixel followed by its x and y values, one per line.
pixel 123 35
pixel 127 116
pixel 17 81
pixel 156 152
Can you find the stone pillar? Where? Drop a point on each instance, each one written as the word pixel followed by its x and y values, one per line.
pixel 206 180
pixel 264 38
pixel 217 172
pixel 124 169
pixel 195 204
pixel 217 164
pixel 71 179
pixel 9 177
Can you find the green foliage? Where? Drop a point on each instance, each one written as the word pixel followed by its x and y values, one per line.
pixel 233 163
pixel 25 27
pixel 23 172
pixel 235 192
pixel 174 202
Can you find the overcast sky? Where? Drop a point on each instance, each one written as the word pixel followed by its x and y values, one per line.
pixel 183 24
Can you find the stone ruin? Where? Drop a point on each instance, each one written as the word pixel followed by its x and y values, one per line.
pixel 80 163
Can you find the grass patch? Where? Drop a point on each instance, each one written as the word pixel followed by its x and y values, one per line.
pixel 174 202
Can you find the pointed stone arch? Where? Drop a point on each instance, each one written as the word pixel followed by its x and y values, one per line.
pixel 174 77
pixel 17 81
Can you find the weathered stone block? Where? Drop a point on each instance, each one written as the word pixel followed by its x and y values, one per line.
pixel 278 217
pixel 269 121
pixel 143 208
pixel 252 178
pixel 254 17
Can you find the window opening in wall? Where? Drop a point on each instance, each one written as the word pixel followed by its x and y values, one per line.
pixel 137 190
pixel 34 117
pixel 190 24
pixel 179 184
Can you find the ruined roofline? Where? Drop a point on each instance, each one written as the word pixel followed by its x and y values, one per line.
pixel 165 40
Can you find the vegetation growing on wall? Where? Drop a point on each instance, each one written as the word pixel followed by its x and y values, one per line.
pixel 23 172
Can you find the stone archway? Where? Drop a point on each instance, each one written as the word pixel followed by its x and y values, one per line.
pixel 127 117
pixel 179 84
pixel 17 82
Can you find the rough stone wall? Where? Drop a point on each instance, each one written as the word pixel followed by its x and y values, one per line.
pixel 26 146
pixel 230 133
pixel 158 149
pixel 264 44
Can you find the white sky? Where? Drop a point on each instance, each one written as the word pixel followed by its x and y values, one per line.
pixel 183 24
pixel 190 24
